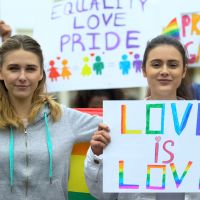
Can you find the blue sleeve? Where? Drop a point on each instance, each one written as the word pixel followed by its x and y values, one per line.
pixel 196 91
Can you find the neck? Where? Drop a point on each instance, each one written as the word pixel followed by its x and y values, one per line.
pixel 163 97
pixel 22 107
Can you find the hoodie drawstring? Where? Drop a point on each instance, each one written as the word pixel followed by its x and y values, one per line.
pixel 11 155
pixel 49 145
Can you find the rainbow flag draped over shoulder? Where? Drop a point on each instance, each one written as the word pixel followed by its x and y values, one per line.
pixel 77 185
pixel 172 29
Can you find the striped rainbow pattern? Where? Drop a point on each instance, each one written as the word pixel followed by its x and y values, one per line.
pixel 175 175
pixel 148 180
pixel 78 189
pixel 172 29
pixel 121 178
pixel 124 124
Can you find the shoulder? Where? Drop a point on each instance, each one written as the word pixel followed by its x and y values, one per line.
pixel 66 111
pixel 196 86
pixel 196 90
pixel 74 113
pixel 180 98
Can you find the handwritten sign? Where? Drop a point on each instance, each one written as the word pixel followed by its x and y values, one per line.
pixel 154 146
pixel 100 44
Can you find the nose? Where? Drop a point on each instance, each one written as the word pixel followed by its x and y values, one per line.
pixel 22 75
pixel 164 70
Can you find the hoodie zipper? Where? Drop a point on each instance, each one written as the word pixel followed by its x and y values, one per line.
pixel 27 163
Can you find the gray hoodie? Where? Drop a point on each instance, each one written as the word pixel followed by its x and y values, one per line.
pixel 34 164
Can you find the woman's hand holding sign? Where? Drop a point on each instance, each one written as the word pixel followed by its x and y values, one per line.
pixel 100 139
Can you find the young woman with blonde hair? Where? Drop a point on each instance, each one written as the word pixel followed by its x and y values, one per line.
pixel 36 133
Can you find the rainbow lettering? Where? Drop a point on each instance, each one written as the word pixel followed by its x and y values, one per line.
pixel 123 123
pixel 149 167
pixel 121 178
pixel 198 121
pixel 148 108
pixel 175 175
pixel 179 128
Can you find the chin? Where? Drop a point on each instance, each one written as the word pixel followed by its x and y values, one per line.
pixel 166 94
pixel 22 96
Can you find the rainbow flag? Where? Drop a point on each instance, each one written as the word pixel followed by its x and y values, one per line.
pixel 77 186
pixel 172 29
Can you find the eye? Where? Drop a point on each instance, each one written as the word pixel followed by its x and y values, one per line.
pixel 13 68
pixel 31 68
pixel 155 64
pixel 173 64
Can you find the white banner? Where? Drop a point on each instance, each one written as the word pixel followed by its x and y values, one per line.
pixel 100 44
pixel 154 146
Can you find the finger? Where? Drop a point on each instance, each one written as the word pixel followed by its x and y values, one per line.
pixel 100 138
pixel 102 126
pixel 2 22
pixel 99 144
pixel 102 134
pixel 6 29
pixel 97 147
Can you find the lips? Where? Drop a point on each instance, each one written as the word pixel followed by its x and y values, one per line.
pixel 164 81
pixel 21 86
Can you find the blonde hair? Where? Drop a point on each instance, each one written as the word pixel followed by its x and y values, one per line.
pixel 8 114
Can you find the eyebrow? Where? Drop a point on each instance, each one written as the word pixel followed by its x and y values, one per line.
pixel 32 65
pixel 16 65
pixel 160 60
pixel 155 60
pixel 13 65
pixel 173 60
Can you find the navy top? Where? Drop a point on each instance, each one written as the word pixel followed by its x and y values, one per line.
pixel 196 91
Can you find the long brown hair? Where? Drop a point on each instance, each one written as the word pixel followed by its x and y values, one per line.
pixel 183 90
pixel 7 110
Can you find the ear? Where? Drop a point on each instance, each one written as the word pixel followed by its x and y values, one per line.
pixel 144 72
pixel 1 77
pixel 41 76
pixel 184 72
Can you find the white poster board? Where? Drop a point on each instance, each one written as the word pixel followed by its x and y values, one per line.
pixel 100 44
pixel 154 146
